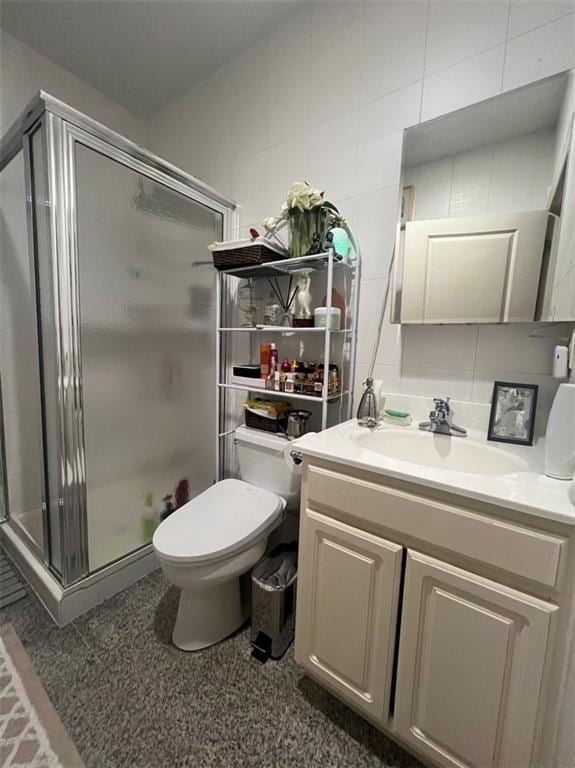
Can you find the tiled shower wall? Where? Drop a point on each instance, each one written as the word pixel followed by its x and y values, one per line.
pixel 325 98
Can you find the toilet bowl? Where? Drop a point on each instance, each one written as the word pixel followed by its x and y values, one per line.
pixel 205 547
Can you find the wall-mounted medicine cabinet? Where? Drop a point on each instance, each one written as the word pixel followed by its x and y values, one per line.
pixel 486 230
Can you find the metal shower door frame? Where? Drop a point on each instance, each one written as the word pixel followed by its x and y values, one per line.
pixel 64 129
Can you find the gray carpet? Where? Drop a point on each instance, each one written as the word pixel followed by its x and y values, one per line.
pixel 131 700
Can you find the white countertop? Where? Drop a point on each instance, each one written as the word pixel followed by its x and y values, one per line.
pixel 528 491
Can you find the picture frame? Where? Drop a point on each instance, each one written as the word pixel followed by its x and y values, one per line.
pixel 513 408
pixel 407 204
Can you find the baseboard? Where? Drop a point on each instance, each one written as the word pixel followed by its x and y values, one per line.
pixel 64 604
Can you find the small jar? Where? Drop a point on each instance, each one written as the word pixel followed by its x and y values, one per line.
pixel 272 314
pixel 321 315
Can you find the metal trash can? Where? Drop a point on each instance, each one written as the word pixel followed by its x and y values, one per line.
pixel 274 581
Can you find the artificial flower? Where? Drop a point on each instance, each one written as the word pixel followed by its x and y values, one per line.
pixel 303 197
pixel 270 223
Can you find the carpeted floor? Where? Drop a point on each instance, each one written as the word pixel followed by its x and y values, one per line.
pixel 129 699
pixel 31 733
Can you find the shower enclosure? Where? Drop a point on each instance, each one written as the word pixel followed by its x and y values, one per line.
pixel 107 338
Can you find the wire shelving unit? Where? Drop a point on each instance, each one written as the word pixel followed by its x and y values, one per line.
pixel 236 343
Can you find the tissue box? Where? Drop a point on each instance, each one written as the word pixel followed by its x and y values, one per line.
pixel 248 381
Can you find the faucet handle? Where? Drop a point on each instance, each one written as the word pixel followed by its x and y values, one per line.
pixel 441 402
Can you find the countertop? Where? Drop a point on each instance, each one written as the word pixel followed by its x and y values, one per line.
pixel 528 491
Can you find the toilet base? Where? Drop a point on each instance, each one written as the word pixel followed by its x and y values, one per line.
pixel 206 616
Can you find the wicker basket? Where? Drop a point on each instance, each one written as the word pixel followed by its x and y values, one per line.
pixel 254 421
pixel 247 254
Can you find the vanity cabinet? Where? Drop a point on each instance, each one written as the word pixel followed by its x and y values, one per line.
pixel 433 620
pixel 470 665
pixel 348 593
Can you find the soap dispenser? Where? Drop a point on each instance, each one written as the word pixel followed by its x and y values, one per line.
pixel 368 410
pixel 560 434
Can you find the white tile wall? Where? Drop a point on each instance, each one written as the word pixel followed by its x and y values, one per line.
pixel 511 175
pixel 331 154
pixel 458 31
pixel 328 18
pixel 289 80
pixel 463 84
pixel 457 349
pixel 393 47
pixel 379 141
pixel 335 72
pixel 541 52
pixel 282 163
pixel 377 242
pixel 526 15
pixel 414 61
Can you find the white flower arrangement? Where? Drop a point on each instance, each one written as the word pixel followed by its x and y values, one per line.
pixel 303 197
pixel 308 216
pixel 300 197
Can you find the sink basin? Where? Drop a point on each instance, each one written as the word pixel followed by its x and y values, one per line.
pixel 457 454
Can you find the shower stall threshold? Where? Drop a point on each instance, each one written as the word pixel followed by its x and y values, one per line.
pixel 64 604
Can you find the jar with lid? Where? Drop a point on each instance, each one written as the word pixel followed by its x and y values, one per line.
pixel 272 312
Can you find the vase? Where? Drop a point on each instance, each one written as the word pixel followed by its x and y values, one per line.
pixel 307 230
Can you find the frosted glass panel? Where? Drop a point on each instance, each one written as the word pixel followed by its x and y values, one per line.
pixel 19 357
pixel 148 349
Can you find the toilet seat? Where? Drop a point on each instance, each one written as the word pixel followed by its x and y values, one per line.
pixel 219 521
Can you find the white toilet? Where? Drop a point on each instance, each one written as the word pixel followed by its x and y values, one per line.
pixel 206 545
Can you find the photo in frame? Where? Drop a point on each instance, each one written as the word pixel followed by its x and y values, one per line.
pixel 513 408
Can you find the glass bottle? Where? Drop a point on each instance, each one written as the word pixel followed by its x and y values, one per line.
pixel 272 312
pixel 318 380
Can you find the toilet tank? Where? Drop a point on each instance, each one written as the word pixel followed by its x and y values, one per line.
pixel 262 461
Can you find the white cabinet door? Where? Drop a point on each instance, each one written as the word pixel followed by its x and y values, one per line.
pixel 477 269
pixel 470 665
pixel 348 586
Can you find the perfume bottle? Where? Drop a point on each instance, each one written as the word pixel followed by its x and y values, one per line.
pixel 274 358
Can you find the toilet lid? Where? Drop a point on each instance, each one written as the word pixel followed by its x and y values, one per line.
pixel 218 521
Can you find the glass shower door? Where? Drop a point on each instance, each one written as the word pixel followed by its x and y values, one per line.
pixel 147 333
pixel 21 476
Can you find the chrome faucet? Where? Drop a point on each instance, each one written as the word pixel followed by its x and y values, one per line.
pixel 440 420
